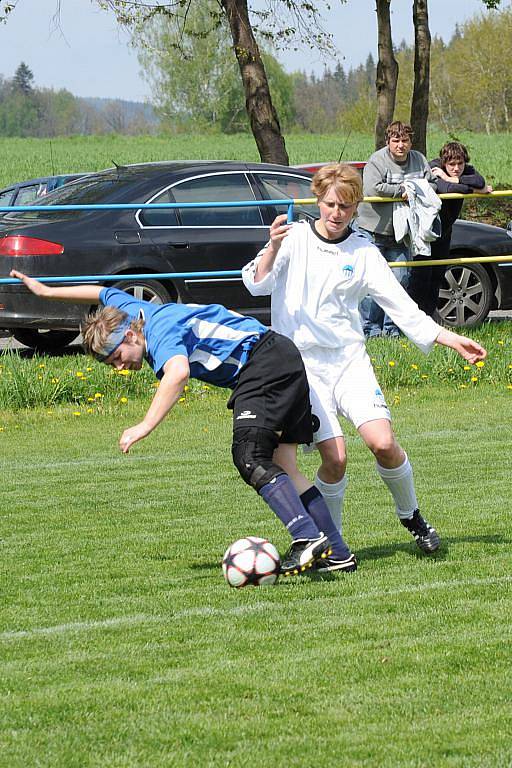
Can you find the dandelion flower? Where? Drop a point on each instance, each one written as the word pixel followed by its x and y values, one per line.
pixel 391 363
pixel 76 413
pixel 98 395
pixel 474 378
pixel 480 364
pixel 123 400
pixel 467 367
pixel 414 367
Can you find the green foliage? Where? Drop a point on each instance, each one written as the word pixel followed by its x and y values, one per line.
pixel 194 74
pixel 121 645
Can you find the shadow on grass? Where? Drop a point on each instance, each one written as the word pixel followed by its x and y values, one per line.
pixel 410 548
pixel 382 551
pixel 26 353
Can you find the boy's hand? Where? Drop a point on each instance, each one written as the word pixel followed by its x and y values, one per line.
pixel 132 435
pixel 39 289
pixel 278 231
pixel 467 348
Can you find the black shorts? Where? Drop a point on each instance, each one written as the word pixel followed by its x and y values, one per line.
pixel 272 391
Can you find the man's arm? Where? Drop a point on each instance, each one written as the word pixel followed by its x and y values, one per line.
pixel 80 294
pixel 176 375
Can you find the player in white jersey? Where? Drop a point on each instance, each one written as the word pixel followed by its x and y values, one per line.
pixel 317 273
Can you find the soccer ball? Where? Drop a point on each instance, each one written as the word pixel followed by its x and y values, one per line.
pixel 251 561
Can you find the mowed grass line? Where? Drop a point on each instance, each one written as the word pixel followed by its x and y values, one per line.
pixel 121 645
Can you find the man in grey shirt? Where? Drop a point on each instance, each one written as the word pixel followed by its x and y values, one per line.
pixel 383 176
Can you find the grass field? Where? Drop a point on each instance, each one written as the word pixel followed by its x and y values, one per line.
pixel 121 645
pixel 27 158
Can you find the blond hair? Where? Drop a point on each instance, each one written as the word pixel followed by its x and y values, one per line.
pixel 97 327
pixel 345 179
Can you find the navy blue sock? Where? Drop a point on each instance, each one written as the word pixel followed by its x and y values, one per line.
pixel 315 505
pixel 282 497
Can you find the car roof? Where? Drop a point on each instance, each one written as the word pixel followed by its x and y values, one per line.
pixel 177 166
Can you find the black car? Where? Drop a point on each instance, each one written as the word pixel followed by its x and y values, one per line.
pixel 144 241
pixel 192 240
pixel 25 192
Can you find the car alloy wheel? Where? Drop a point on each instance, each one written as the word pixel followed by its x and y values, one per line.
pixel 466 295
pixel 146 290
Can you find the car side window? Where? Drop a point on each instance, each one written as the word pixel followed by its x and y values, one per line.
pixel 27 195
pixel 5 197
pixel 222 187
pixel 280 186
pixel 160 217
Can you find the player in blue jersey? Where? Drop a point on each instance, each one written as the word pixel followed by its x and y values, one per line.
pixel 269 399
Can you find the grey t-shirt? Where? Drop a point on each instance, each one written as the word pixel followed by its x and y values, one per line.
pixel 383 177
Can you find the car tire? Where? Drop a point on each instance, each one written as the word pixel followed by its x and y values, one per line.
pixel 146 290
pixel 466 296
pixel 44 341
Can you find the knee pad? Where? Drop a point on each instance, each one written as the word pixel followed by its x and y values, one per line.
pixel 252 452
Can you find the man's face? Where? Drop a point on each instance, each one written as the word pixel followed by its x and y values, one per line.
pixel 335 214
pixel 129 354
pixel 399 147
pixel 455 166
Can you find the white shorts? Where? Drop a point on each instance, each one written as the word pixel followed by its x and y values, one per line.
pixel 342 384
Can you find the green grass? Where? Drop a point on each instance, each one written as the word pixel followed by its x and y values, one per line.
pixel 24 158
pixel 121 645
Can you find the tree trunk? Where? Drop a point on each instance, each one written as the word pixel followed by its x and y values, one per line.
pixel 387 73
pixel 262 115
pixel 419 104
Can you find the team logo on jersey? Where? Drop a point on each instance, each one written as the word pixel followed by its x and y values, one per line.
pixel 348 271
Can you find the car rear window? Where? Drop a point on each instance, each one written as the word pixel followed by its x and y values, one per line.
pixel 87 191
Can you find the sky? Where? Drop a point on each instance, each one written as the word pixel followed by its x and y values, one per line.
pixel 87 53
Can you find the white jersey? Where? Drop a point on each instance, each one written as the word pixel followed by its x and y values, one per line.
pixel 317 284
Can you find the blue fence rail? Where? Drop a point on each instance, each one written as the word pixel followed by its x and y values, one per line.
pixel 289 204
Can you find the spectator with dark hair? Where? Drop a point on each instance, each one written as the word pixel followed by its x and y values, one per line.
pixel 384 176
pixel 453 174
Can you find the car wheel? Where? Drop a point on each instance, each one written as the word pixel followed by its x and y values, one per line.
pixel 44 341
pixel 466 295
pixel 146 290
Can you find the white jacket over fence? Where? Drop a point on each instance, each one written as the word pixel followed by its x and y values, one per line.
pixel 418 221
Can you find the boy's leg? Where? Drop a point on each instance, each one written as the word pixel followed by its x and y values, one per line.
pixel 253 450
pixel 312 501
pixel 396 472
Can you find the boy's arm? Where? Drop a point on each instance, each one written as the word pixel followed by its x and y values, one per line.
pixel 172 383
pixel 85 294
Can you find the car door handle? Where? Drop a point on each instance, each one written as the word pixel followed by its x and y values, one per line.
pixel 178 245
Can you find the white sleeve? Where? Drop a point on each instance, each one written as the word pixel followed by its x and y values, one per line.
pixel 267 285
pixel 394 300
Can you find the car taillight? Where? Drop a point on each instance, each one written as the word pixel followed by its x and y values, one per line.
pixel 19 245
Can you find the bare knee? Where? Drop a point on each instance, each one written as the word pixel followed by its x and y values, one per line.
pixel 334 460
pixel 387 451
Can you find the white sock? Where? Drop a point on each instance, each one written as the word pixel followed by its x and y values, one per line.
pixel 333 494
pixel 400 482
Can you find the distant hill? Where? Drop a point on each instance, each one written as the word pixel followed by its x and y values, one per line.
pixel 131 109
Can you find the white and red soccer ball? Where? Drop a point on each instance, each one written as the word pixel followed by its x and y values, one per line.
pixel 251 561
